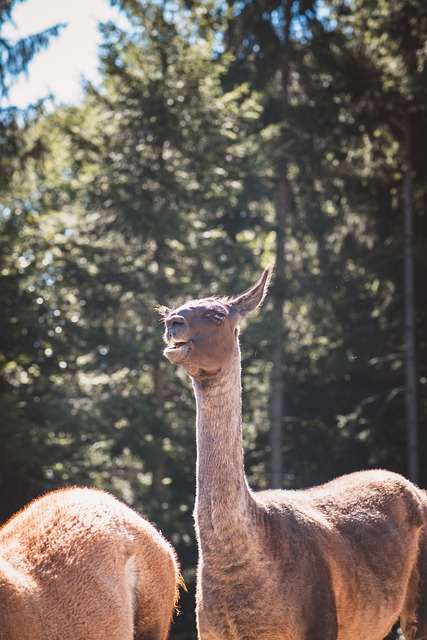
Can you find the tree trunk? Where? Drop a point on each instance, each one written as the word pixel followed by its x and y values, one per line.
pixel 158 456
pixel 277 374
pixel 158 459
pixel 410 357
pixel 282 210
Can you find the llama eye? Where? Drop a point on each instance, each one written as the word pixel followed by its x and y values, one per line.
pixel 218 316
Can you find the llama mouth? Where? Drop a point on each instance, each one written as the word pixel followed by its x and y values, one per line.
pixel 177 351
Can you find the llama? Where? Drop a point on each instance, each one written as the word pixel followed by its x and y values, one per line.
pixel 78 564
pixel 338 562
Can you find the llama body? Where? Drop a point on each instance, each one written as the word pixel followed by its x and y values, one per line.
pixel 327 578
pixel 77 564
pixel 338 562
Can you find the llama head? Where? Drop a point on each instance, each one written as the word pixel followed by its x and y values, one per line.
pixel 202 335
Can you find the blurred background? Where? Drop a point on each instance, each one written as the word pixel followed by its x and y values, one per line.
pixel 163 150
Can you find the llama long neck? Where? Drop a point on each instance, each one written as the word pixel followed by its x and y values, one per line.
pixel 223 497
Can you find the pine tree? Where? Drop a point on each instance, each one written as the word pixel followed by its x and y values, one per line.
pixel 14 60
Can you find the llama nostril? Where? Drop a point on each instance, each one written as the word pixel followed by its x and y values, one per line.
pixel 176 329
pixel 174 320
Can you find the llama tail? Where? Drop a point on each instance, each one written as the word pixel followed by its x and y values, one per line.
pixel 421 608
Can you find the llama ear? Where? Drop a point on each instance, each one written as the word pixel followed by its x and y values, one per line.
pixel 162 310
pixel 253 297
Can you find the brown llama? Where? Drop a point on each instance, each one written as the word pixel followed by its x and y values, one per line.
pixel 335 562
pixel 78 564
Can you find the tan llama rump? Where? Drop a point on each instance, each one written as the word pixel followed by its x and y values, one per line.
pixel 78 564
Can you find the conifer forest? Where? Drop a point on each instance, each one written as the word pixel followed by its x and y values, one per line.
pixel 224 136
